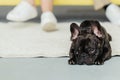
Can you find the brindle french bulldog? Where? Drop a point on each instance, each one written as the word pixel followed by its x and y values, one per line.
pixel 90 43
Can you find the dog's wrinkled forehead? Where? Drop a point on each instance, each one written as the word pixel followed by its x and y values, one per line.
pixel 89 23
pixel 88 38
pixel 87 26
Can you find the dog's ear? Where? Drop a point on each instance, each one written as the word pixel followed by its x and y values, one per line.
pixel 74 28
pixel 96 27
pixel 96 31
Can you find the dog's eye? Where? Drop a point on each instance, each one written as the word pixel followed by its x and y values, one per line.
pixel 91 50
pixel 79 49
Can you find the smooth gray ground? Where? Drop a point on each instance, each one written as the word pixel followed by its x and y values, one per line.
pixel 56 69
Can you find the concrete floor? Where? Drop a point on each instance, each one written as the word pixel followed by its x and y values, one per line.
pixel 56 69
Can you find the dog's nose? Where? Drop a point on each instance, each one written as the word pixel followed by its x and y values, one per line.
pixel 84 54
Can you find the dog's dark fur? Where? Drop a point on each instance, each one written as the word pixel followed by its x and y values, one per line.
pixel 90 43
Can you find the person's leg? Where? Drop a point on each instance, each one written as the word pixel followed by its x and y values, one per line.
pixel 31 2
pixel 48 19
pixel 99 4
pixel 112 11
pixel 24 11
pixel 46 5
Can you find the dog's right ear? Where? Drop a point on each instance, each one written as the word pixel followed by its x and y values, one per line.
pixel 74 28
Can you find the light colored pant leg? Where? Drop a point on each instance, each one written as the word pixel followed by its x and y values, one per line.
pixel 99 4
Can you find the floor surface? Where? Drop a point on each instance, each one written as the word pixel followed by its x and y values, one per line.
pixel 56 69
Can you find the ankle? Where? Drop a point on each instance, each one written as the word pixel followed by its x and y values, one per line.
pixel 31 2
pixel 106 6
pixel 50 12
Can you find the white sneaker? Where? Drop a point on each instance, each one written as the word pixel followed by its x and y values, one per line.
pixel 113 14
pixel 22 12
pixel 48 21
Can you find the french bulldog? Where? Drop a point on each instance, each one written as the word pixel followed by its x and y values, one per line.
pixel 90 43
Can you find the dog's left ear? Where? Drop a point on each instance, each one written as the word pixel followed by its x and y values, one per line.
pixel 96 31
pixel 74 28
pixel 96 27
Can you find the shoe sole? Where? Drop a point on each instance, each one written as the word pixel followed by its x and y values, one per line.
pixel 20 20
pixel 49 27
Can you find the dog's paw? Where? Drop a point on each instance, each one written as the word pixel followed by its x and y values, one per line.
pixel 71 62
pixel 99 62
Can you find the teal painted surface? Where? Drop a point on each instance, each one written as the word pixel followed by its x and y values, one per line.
pixel 56 69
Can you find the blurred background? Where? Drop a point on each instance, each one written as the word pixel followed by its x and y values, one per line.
pixel 63 9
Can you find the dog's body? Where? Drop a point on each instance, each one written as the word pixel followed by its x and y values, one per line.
pixel 90 43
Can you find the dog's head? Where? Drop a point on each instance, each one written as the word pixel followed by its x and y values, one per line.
pixel 86 27
pixel 86 41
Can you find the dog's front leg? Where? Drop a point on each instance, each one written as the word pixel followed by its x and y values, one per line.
pixel 105 55
pixel 72 60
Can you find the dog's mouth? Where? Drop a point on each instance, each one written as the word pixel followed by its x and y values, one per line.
pixel 88 60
